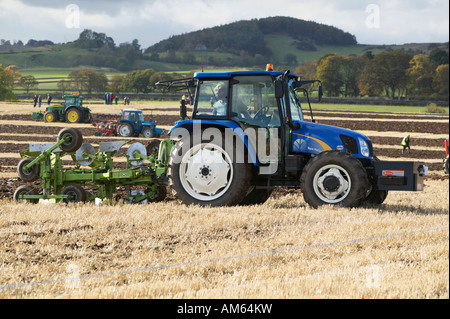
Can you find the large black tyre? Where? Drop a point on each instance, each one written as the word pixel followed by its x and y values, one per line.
pixel 153 148
pixel 76 193
pixel 74 115
pixel 25 190
pixel 256 197
pixel 206 174
pixel 30 175
pixel 74 142
pixel 126 130
pixel 334 178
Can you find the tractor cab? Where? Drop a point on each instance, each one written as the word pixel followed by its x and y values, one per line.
pixel 247 134
pixel 73 100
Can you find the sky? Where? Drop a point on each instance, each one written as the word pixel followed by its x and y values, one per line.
pixel 151 21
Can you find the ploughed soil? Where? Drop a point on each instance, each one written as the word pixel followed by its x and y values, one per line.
pixel 406 123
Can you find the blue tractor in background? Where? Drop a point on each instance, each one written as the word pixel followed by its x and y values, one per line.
pixel 132 123
pixel 248 135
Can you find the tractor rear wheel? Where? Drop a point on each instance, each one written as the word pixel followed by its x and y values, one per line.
pixel 25 190
pixel 31 174
pixel 126 130
pixel 74 139
pixel 74 115
pixel 206 174
pixel 334 178
pixel 76 193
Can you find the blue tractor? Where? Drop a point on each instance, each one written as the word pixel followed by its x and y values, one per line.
pixel 132 123
pixel 248 135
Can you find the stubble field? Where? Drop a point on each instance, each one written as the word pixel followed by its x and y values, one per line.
pixel 281 249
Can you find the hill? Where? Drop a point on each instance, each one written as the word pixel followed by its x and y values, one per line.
pixel 283 41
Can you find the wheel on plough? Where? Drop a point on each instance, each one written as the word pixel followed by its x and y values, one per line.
pixel 153 148
pixel 31 174
pixel 74 139
pixel 334 178
pixel 206 174
pixel 25 190
pixel 256 197
pixel 76 194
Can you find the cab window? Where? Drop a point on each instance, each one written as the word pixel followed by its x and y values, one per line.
pixel 212 99
pixel 254 102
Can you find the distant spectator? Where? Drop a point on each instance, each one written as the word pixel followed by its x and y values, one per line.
pixel 125 100
pixel 39 100
pixel 116 99
pixel 49 99
pixel 406 144
pixel 35 99
pixel 128 101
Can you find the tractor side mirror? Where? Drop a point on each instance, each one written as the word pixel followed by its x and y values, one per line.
pixel 183 113
pixel 278 89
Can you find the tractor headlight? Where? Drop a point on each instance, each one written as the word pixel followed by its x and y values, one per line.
pixel 364 147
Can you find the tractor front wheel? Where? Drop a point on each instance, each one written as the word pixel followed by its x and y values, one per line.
pixel 50 116
pixel 148 132
pixel 334 178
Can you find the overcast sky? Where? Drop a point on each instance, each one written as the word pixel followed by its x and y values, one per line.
pixel 150 21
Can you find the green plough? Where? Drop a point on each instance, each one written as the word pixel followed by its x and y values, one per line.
pixel 93 175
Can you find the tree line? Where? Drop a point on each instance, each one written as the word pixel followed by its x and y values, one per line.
pixel 394 74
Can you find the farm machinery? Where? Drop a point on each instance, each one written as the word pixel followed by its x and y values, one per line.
pixel 129 123
pixel 248 135
pixel 99 178
pixel 72 111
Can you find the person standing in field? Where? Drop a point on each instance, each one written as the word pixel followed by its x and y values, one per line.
pixel 406 144
pixel 49 99
pixel 35 100
pixel 39 100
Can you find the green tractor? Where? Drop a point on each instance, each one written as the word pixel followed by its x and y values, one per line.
pixel 72 111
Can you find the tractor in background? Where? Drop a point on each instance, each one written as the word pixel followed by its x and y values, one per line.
pixel 130 123
pixel 72 111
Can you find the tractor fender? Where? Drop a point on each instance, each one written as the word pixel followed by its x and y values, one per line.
pixel 186 128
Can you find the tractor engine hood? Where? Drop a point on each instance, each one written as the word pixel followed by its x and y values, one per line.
pixel 315 138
